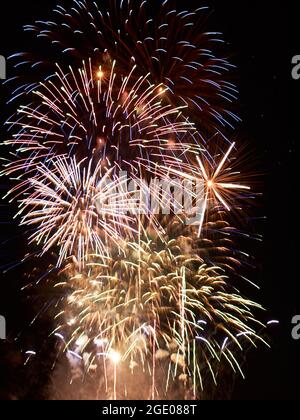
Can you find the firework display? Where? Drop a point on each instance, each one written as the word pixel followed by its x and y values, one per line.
pixel 144 294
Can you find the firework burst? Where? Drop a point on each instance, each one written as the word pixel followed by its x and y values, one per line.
pixel 63 209
pixel 115 120
pixel 147 96
pixel 174 46
pixel 158 303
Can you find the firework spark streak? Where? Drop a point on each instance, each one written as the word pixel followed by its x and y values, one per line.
pixel 141 297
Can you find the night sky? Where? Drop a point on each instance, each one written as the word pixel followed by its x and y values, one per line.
pixel 262 40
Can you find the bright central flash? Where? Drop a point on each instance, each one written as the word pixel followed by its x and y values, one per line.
pixel 114 356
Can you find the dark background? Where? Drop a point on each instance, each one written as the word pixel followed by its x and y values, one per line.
pixel 263 37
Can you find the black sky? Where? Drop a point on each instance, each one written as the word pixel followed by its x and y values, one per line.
pixel 262 37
